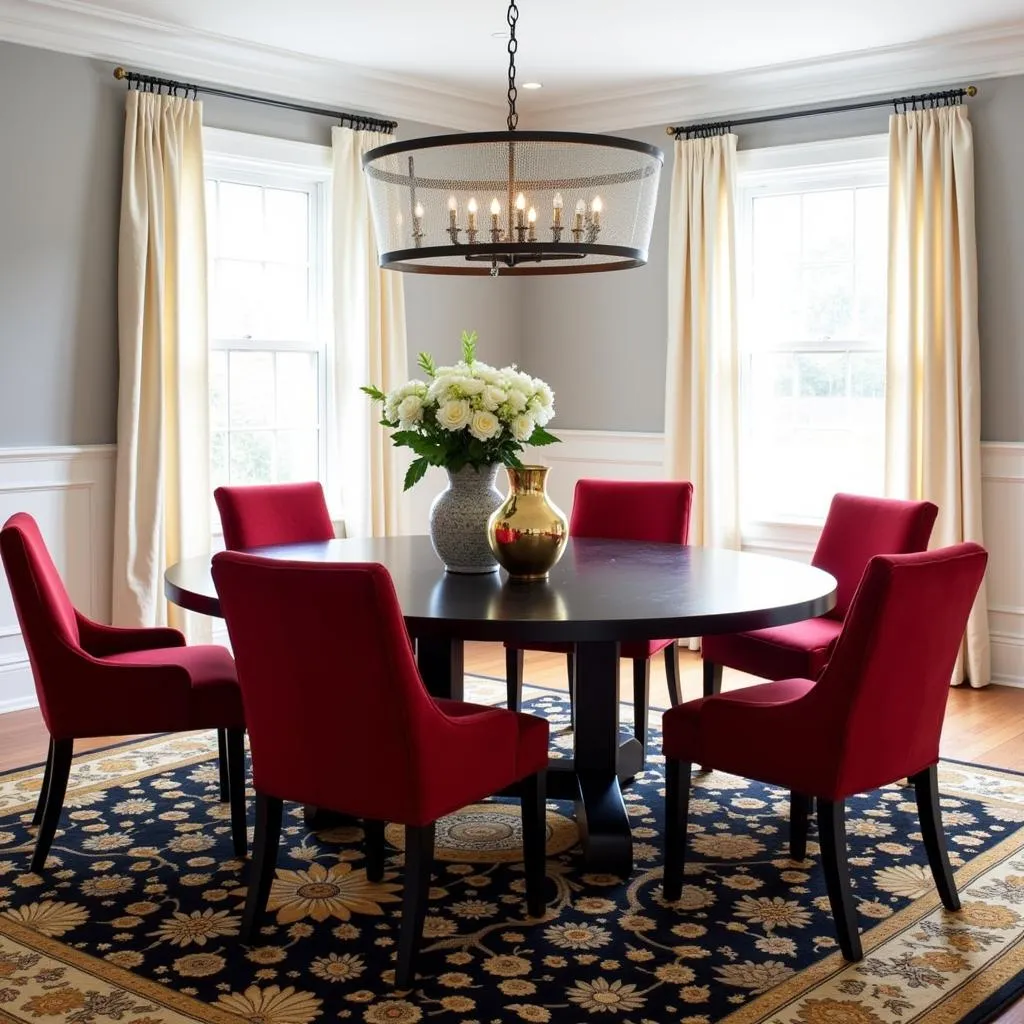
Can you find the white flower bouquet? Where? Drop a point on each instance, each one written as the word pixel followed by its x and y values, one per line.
pixel 469 414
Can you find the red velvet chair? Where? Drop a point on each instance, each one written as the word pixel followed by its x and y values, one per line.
pixel 95 680
pixel 338 717
pixel 268 514
pixel 263 515
pixel 855 529
pixel 653 510
pixel 874 717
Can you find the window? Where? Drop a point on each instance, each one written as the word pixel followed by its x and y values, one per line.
pixel 812 258
pixel 266 220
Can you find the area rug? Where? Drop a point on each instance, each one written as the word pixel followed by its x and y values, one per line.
pixel 135 919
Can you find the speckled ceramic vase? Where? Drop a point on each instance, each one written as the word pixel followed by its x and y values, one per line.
pixel 458 520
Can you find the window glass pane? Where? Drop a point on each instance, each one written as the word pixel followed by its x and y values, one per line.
pixel 251 456
pixel 872 223
pixel 297 455
pixel 828 302
pixel 828 225
pixel 867 381
pixel 285 303
pixel 287 226
pixel 298 390
pixel 252 389
pixel 776 230
pixel 218 390
pixel 219 458
pixel 237 300
pixel 871 296
pixel 240 220
pixel 820 375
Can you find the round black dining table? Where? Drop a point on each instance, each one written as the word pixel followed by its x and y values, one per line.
pixel 601 593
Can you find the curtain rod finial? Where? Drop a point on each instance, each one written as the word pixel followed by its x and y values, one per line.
pixel 670 130
pixel 972 90
pixel 120 73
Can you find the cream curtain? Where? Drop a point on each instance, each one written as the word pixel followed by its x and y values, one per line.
pixel 370 348
pixel 933 432
pixel 162 496
pixel 702 381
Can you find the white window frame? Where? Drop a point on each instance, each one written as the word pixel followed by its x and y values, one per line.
pixel 282 163
pixel 848 163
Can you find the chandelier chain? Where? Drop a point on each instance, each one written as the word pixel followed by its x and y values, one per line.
pixel 513 45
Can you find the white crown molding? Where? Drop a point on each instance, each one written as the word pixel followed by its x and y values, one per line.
pixel 86 30
pixel 944 62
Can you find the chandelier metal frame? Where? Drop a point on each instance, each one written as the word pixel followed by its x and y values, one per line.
pixel 511 245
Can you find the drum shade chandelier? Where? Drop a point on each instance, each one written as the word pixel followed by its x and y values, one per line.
pixel 513 202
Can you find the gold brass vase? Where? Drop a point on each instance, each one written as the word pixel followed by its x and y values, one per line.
pixel 527 534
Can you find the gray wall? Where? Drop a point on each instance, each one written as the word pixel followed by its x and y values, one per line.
pixel 601 339
pixel 598 339
pixel 61 137
pixel 61 133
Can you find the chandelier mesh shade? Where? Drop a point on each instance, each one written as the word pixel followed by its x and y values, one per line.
pixel 515 202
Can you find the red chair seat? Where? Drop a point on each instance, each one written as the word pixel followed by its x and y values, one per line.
pixel 692 734
pixel 208 689
pixel 800 649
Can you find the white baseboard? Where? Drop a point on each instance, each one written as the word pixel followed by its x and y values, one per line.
pixel 70 492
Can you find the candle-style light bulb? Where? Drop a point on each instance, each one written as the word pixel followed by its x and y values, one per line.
pixel 452 205
pixel 520 201
pixel 520 210
pixel 495 214
pixel 453 224
pixel 471 209
pixel 556 204
pixel 495 208
pixel 595 208
pixel 419 210
pixel 532 219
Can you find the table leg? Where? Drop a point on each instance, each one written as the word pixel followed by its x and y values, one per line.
pixel 442 666
pixel 600 811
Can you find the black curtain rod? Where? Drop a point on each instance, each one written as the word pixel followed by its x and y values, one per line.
pixel 949 97
pixel 150 83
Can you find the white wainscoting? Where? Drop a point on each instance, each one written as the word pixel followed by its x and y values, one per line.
pixel 1002 487
pixel 594 453
pixel 70 492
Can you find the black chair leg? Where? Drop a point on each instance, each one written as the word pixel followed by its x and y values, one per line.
pixel 419 859
pixel 535 829
pixel 570 671
pixel 677 807
pixel 712 679
pixel 37 817
pixel 235 742
pixel 799 811
pixel 641 699
pixel 373 832
pixel 60 772
pixel 832 836
pixel 222 765
pixel 264 858
pixel 514 677
pixel 926 788
pixel 675 695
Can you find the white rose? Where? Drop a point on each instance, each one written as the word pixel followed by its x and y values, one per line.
pixel 544 394
pixel 410 409
pixel 541 414
pixel 522 427
pixel 454 414
pixel 516 401
pixel 485 425
pixel 492 397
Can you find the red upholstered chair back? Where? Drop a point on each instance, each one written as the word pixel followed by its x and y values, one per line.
pixel 882 697
pixel 654 510
pixel 261 516
pixel 858 527
pixel 333 699
pixel 49 623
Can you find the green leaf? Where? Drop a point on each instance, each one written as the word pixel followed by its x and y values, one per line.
pixel 373 392
pixel 541 437
pixel 426 363
pixel 416 471
pixel 469 346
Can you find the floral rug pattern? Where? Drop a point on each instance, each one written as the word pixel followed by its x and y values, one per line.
pixel 136 917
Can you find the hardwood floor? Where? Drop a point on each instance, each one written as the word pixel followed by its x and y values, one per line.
pixel 983 726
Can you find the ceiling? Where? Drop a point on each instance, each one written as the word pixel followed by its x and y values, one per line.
pixel 604 60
